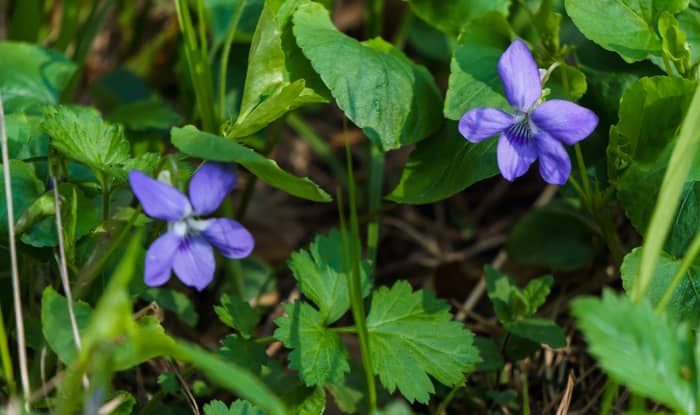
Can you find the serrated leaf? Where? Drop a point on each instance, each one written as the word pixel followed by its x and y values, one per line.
pixel 314 404
pixel 536 292
pixel 461 165
pixel 25 138
pixel 684 304
pixel 173 301
pixel 317 353
pixel 243 352
pixel 237 314
pixel 393 100
pixel 538 330
pixel 639 348
pixel 635 21
pixel 320 273
pixel 237 408
pixel 411 336
pixel 510 302
pixel 207 146
pixel 32 77
pixel 452 16
pixel 82 135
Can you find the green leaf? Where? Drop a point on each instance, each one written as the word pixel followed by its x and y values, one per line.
pixel 461 165
pixel 314 404
pixel 538 330
pixel 651 111
pixel 645 351
pixel 548 23
pixel 537 238
pixel 509 301
pixel 151 114
pixel 491 358
pixel 318 354
pixel 635 21
pixel 243 352
pixel 277 80
pixel 238 314
pixel 322 278
pixel 684 304
pixel 207 146
pixel 221 12
pixel 452 16
pixel 174 301
pixel 393 100
pixel 32 77
pixel 536 292
pixel 689 22
pixel 25 138
pixel 26 188
pixel 674 42
pixel 56 325
pixel 237 408
pixel 474 81
pixel 81 134
pixel 412 335
pixel 126 407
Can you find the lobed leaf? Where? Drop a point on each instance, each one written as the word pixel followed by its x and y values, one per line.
pixel 412 336
pixel 238 314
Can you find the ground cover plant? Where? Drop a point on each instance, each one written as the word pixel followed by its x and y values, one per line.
pixel 229 207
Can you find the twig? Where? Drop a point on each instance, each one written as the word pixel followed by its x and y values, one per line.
pixel 63 269
pixel 566 399
pixel 474 297
pixel 19 319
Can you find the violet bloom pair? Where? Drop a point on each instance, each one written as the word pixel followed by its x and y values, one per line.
pixel 187 247
pixel 535 130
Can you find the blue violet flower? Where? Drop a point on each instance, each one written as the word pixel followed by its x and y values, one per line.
pixel 535 129
pixel 187 247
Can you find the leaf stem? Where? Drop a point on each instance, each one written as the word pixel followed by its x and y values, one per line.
pixel 223 65
pixel 374 16
pixel 442 408
pixel 5 357
pixel 16 294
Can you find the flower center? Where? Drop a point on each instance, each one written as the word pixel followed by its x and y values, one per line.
pixel 522 131
pixel 189 226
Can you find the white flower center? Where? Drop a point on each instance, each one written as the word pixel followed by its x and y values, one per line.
pixel 189 226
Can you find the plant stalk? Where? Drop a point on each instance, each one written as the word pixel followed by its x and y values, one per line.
pixel 223 65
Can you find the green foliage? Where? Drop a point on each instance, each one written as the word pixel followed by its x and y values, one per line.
pixel 393 100
pixel 321 275
pixel 25 139
pixel 237 408
pixel 474 81
pixel 651 354
pixel 238 315
pixel 452 16
pixel 537 238
pixel 197 143
pixel 461 165
pixel 635 22
pixel 277 79
pixel 684 304
pixel 639 151
pixel 32 77
pixel 151 114
pixel 515 307
pixel 221 12
pixel 80 134
pixel 26 187
pixel 56 325
pixel 674 43
pixel 173 301
pixel 411 336
pixel 318 354
pixel 243 352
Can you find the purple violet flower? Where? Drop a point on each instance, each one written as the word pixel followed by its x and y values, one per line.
pixel 186 247
pixel 535 130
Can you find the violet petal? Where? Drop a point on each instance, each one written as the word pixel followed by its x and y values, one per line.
pixel 159 200
pixel 229 237
pixel 555 165
pixel 481 123
pixel 194 263
pixel 514 159
pixel 564 120
pixel 159 259
pixel 520 75
pixel 210 185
